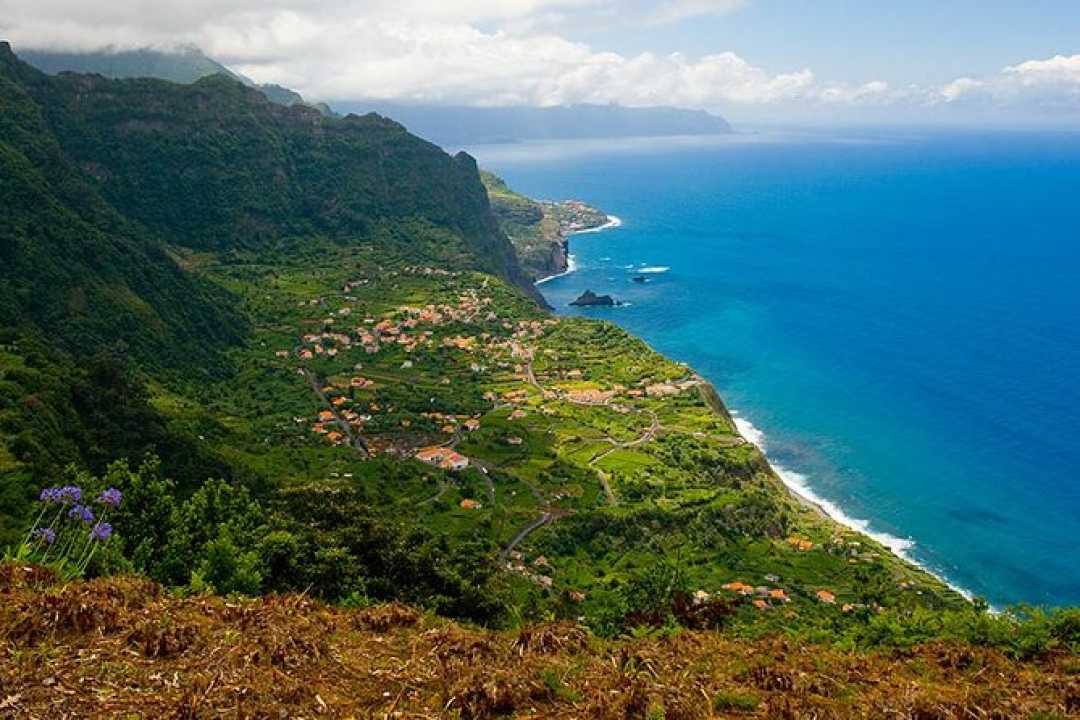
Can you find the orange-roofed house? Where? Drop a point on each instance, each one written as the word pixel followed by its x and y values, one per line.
pixel 431 455
pixel 335 437
pixel 779 595
pixel 325 416
pixel 470 504
pixel 442 457
pixel 761 604
pixel 739 587
pixel 454 462
pixel 472 424
pixel 826 597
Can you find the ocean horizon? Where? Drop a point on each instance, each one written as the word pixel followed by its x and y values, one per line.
pixel 891 314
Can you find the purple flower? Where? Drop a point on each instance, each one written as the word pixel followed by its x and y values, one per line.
pixel 50 495
pixel 110 497
pixel 81 512
pixel 101 532
pixel 69 493
pixel 45 536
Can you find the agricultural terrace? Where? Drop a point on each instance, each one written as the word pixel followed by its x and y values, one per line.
pixel 590 461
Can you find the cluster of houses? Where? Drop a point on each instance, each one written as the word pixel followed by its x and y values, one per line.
pixel 764 597
pixel 442 457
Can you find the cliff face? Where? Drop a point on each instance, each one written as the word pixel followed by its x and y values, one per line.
pixel 216 166
pixel 538 230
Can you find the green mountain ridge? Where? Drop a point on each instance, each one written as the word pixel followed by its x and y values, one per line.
pixel 183 65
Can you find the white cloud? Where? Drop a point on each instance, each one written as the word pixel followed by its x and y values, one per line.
pixel 1059 69
pixel 494 52
pixel 960 87
pixel 676 10
pixel 1052 84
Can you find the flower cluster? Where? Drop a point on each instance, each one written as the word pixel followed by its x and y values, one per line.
pixel 110 497
pixel 82 513
pixel 65 541
pixel 44 536
pixel 61 495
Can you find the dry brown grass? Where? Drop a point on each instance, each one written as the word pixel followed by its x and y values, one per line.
pixel 123 648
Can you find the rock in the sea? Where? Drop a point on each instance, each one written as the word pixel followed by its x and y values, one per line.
pixel 591 299
pixel 640 279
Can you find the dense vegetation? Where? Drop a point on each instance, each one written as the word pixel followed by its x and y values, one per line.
pixel 216 166
pixel 249 320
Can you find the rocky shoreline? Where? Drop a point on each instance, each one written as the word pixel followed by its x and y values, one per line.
pixel 540 230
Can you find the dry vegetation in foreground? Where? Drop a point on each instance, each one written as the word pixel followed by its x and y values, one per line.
pixel 123 648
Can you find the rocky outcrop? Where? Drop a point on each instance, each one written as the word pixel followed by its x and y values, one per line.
pixel 591 299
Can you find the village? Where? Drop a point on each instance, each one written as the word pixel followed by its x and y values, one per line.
pixel 456 384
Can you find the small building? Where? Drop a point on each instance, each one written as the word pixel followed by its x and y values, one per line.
pixel 826 597
pixel 517 414
pixel 470 504
pixel 515 440
pixel 739 587
pixel 442 457
pixel 472 424
pixel 326 416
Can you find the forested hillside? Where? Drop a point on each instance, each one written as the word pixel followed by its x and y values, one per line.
pixel 216 166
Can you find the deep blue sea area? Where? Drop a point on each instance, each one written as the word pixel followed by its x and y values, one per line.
pixel 894 315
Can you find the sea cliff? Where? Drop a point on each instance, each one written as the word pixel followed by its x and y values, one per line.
pixel 540 230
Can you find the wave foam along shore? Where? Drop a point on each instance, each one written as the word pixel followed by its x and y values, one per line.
pixel 571 266
pixel 571 261
pixel 613 221
pixel 799 486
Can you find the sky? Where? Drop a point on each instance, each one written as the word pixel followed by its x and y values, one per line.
pixel 988 61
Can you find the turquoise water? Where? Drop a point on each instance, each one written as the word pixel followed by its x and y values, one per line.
pixel 894 315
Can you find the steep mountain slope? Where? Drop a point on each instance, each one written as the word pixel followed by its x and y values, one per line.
pixel 216 166
pixel 180 65
pixel 75 269
pixel 184 65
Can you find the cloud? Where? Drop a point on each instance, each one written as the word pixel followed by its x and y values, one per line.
pixel 1059 69
pixel 497 52
pixel 1051 84
pixel 961 87
pixel 676 10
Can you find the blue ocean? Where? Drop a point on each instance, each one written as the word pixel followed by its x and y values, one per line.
pixel 894 315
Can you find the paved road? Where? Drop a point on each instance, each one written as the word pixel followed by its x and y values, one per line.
pixel 355 439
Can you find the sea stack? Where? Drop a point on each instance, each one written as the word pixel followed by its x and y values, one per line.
pixel 591 299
